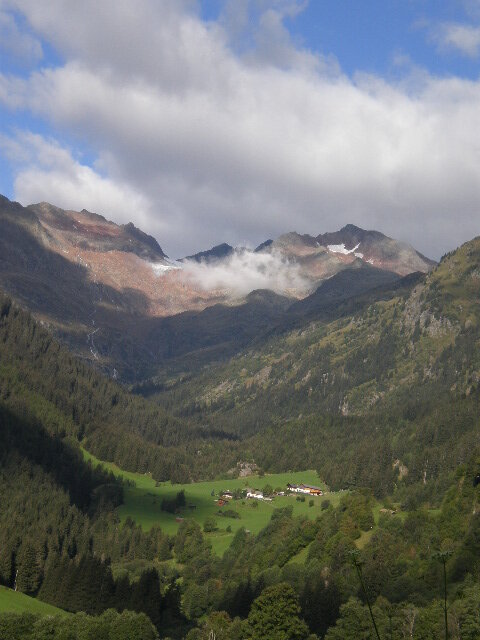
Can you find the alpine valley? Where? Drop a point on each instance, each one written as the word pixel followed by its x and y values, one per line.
pixel 276 443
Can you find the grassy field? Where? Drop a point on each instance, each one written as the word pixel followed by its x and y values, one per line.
pixel 301 556
pixel 366 535
pixel 16 602
pixel 143 501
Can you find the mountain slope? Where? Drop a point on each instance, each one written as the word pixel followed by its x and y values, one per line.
pixel 346 284
pixel 41 378
pixel 323 256
pixel 398 367
pixel 376 249
pixel 113 296
pixel 94 285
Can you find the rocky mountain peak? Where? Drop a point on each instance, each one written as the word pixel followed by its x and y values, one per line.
pixel 217 252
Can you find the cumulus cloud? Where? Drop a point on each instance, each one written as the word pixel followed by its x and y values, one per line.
pixel 44 167
pixel 245 271
pixel 236 146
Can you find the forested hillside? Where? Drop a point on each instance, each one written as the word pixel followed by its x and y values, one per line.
pixel 40 378
pixel 398 374
pixel 59 533
pixel 382 400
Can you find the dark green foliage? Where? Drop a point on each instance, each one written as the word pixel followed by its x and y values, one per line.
pixel 229 513
pixel 121 626
pixel 28 565
pixel 189 543
pixel 210 525
pixel 42 381
pixel 275 615
pixel 320 601
pixel 281 539
pixel 146 596
pixel 172 505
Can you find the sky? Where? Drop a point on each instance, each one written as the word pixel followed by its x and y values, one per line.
pixel 209 121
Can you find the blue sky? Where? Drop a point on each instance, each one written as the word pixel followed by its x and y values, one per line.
pixel 237 120
pixel 372 36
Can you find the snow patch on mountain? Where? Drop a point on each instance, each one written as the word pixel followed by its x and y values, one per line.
pixel 161 269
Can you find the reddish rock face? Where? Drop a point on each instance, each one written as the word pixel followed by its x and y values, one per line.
pixel 121 257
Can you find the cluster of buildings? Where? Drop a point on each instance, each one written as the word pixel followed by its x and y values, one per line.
pixel 225 496
pixel 305 488
pixel 254 494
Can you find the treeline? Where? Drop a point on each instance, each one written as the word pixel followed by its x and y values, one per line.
pixel 259 590
pixel 53 503
pixel 87 584
pixel 426 448
pixel 109 625
pixel 59 532
pixel 35 365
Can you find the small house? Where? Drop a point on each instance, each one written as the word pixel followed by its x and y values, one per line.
pixel 256 495
pixel 305 488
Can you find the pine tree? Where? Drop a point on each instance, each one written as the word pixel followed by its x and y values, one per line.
pixel 146 596
pixel 29 573
pixel 275 615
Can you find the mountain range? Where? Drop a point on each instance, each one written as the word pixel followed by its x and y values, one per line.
pixel 110 291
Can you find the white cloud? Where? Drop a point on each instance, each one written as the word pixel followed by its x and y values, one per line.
pixel 464 38
pixel 245 271
pixel 256 31
pixel 45 168
pixel 231 147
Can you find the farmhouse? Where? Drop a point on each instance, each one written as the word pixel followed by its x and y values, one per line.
pixel 257 495
pixel 305 488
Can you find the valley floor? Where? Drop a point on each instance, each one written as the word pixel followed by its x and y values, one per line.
pixel 142 502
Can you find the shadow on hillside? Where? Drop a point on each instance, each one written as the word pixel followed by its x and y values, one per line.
pixel 28 438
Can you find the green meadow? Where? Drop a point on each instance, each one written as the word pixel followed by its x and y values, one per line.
pixel 16 602
pixel 142 502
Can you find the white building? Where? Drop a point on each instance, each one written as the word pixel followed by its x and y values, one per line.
pixel 257 495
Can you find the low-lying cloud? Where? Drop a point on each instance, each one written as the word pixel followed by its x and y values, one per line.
pixel 245 271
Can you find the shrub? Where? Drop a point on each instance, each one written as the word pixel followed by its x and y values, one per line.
pixel 210 524
pixel 229 513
